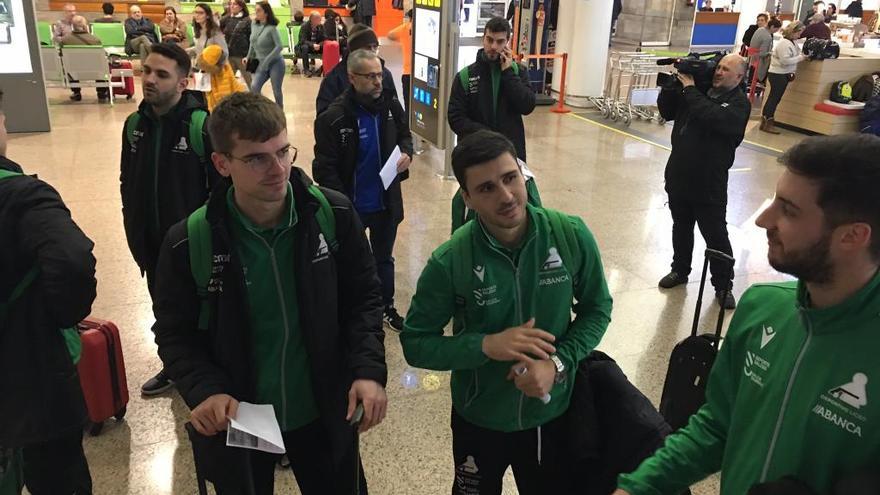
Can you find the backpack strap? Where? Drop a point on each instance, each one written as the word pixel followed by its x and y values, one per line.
pixel 196 125
pixel 464 76
pixel 6 174
pixel 201 257
pixel 566 240
pixel 131 124
pixel 462 267
pixel 325 218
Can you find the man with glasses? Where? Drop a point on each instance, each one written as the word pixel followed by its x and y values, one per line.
pixel 165 169
pixel 354 138
pixel 289 315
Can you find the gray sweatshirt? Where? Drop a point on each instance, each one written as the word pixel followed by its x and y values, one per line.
pixel 265 44
pixel 762 41
pixel 203 41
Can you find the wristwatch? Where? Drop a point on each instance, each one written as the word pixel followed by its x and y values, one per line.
pixel 560 368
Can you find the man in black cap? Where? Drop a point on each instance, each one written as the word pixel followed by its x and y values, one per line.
pixel 360 37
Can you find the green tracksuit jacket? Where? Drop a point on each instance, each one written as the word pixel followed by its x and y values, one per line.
pixel 510 287
pixel 794 391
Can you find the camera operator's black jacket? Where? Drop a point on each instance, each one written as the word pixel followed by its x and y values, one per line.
pixel 705 136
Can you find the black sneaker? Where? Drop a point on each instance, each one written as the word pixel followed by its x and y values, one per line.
pixel 157 385
pixel 725 299
pixel 76 96
pixel 393 319
pixel 673 279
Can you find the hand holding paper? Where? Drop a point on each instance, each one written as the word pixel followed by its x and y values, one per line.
pixel 396 163
pixel 255 427
pixel 211 416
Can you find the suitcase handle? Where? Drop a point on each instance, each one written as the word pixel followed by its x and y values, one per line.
pixel 708 255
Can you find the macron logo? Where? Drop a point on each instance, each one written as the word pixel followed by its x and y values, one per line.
pixel 480 272
pixel 767 335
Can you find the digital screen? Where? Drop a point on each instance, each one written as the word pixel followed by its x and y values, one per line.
pixel 14 51
pixel 425 97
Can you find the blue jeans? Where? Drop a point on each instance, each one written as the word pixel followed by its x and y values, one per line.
pixel 275 72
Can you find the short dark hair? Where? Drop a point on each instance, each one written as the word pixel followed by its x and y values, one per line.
pixel 107 8
pixel 176 53
pixel 774 22
pixel 270 15
pixel 298 16
pixel 847 172
pixel 244 115
pixel 478 148
pixel 497 25
pixel 765 15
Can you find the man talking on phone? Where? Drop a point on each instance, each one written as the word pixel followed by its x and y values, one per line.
pixel 493 92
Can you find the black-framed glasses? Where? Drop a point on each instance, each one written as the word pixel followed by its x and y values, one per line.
pixel 262 162
pixel 375 76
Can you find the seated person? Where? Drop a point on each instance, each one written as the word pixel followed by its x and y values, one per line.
pixel 64 26
pixel 173 28
pixel 108 10
pixel 311 35
pixel 297 19
pixel 140 33
pixel 335 29
pixel 817 28
pixel 81 36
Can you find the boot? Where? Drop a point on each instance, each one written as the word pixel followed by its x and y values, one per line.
pixel 767 126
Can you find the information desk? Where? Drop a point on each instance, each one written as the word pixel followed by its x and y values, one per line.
pixel 715 29
pixel 812 85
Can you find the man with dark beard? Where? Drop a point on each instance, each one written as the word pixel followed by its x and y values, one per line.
pixel 798 368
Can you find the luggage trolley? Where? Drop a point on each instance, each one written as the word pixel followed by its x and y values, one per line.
pixel 621 78
pixel 643 91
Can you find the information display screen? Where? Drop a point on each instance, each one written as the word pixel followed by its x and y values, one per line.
pixel 427 39
pixel 15 56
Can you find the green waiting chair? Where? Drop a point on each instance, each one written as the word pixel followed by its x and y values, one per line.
pixel 44 32
pixel 112 36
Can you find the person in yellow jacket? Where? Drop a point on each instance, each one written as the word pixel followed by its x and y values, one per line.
pixel 223 80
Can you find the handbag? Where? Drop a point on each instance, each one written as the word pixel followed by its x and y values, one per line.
pixel 252 65
pixel 202 81
pixel 791 77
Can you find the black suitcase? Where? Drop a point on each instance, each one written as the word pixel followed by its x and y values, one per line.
pixel 684 391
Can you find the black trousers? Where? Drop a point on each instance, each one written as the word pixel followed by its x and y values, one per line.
pixel 57 467
pixel 711 218
pixel 778 83
pixel 303 50
pixel 382 233
pixel 366 20
pixel 311 463
pixel 406 85
pixel 538 457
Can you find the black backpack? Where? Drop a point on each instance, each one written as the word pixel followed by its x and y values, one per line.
pixel 863 88
pixel 819 49
pixel 841 92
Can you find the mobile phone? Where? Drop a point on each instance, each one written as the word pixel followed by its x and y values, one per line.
pixel 357 416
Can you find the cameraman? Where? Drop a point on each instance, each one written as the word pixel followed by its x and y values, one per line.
pixel 709 124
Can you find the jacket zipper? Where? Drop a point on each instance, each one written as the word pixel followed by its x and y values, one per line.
pixel 284 316
pixel 158 146
pixel 786 397
pixel 379 156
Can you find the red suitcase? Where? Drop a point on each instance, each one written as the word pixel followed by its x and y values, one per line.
pixel 329 56
pixel 102 372
pixel 128 90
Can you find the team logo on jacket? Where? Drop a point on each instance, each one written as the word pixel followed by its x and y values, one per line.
pixel 553 260
pixel 480 272
pixel 323 250
pixel 841 404
pixel 181 146
pixel 755 367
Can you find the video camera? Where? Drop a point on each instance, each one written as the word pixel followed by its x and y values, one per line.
pixel 699 65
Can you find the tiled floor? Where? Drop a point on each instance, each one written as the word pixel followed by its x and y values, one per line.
pixel 613 181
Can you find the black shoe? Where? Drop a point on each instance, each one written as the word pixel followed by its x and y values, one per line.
pixel 673 279
pixel 393 319
pixel 725 299
pixel 76 96
pixel 157 385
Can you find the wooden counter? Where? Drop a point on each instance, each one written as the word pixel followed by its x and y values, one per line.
pixel 152 9
pixel 812 85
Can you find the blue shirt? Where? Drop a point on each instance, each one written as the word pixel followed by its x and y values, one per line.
pixel 368 189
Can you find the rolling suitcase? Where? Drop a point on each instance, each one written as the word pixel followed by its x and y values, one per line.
pixel 685 389
pixel 102 372
pixel 329 56
pixel 128 90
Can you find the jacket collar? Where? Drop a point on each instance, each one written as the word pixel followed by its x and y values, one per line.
pixel 531 232
pixel 303 202
pixel 7 164
pixel 188 102
pixel 861 306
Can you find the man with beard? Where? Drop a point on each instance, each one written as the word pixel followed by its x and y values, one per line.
pixel 795 390
pixel 354 138
pixel 166 171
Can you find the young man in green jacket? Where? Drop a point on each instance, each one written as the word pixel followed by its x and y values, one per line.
pixel 795 390
pixel 511 282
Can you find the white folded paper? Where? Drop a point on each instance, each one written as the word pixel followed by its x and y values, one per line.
pixel 389 170
pixel 255 427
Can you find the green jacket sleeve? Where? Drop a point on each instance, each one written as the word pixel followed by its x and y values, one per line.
pixel 593 302
pixel 695 451
pixel 424 344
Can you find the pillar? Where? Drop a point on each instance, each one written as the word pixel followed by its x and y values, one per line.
pixel 583 31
